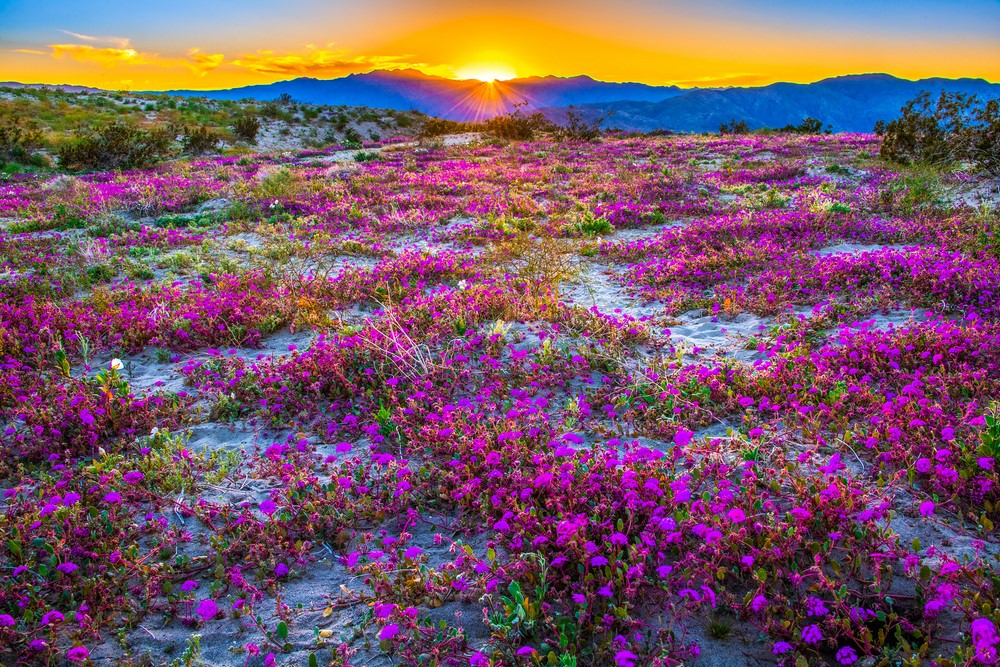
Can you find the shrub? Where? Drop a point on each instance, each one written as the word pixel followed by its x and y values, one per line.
pixel 515 126
pixel 734 127
pixel 954 129
pixel 809 125
pixel 118 145
pixel 200 140
pixel 578 128
pixel 18 139
pixel 352 138
pixel 437 127
pixel 246 128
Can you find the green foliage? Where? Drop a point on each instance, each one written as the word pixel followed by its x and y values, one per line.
pixel 517 126
pixel 200 140
pixel 100 273
pixel 437 127
pixel 956 128
pixel 117 145
pixel 352 138
pixel 578 128
pixel 246 128
pixel 19 137
pixel 809 125
pixel 734 127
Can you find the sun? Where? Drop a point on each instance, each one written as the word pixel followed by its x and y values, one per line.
pixel 487 72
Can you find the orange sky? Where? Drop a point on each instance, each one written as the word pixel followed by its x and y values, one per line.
pixel 209 44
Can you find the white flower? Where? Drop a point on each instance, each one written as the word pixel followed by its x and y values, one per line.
pixel 463 284
pixel 116 364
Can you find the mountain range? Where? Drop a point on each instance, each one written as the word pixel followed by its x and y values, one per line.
pixel 851 103
pixel 844 103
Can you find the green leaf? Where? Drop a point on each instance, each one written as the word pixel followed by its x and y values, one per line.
pixel 281 631
pixel 313 662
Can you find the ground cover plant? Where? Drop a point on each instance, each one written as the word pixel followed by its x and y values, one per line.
pixel 628 400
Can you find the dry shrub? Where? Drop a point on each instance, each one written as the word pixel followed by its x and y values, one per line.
pixel 538 258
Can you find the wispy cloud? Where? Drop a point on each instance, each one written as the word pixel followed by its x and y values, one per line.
pixel 119 53
pixel 314 61
pixel 116 42
pixel 319 62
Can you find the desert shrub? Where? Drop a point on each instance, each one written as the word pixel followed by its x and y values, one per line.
pixel 578 128
pixel 734 127
pixel 517 126
pixel 246 128
pixel 437 127
pixel 117 145
pixel 956 128
pixel 19 137
pixel 352 138
pixel 200 140
pixel 809 125
pixel 536 257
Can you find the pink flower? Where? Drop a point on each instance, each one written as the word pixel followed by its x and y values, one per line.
pixel 811 634
pixel 736 515
pixel 683 437
pixel 388 632
pixel 847 656
pixel 78 654
pixel 207 609
pixel 133 477
pixel 625 658
pixel 268 507
pixel 926 508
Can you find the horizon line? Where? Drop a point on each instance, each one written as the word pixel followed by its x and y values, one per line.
pixel 517 78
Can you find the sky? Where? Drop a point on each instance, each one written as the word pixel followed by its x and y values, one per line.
pixel 210 44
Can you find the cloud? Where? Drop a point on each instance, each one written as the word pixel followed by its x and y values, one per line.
pixel 203 63
pixel 317 62
pixel 116 42
pixel 196 61
pixel 98 54
pixel 324 61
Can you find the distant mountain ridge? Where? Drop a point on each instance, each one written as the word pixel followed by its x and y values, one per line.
pixel 466 99
pixel 851 103
pixel 847 103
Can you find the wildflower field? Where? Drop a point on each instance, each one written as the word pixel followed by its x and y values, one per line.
pixel 684 400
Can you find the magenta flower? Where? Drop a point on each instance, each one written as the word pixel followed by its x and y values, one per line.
pixel 67 568
pixel 207 609
pixel 846 656
pixel 133 477
pixel 52 617
pixel 6 621
pixel 926 508
pixel 736 515
pixel 268 507
pixel 625 658
pixel 683 437
pixel 811 634
pixel 78 654
pixel 388 632
pixel 113 497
